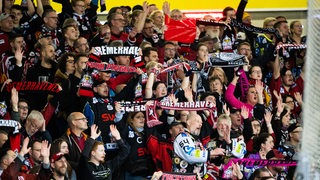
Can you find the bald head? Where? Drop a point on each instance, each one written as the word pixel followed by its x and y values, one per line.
pixel 194 123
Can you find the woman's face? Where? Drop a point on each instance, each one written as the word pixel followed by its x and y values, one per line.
pixel 216 86
pixel 64 148
pixel 290 102
pixel 286 120
pixel 269 144
pixel 256 73
pixel 70 67
pixel 138 120
pixel 160 91
pixel 297 28
pixel 252 96
pixel 158 19
pixel 219 74
pixel 203 53
pixel 256 128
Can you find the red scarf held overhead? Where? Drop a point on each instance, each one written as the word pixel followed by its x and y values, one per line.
pixel 183 31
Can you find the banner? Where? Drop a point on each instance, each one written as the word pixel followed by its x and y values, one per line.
pixel 124 50
pixel 183 31
pixel 33 86
pixel 112 67
pixel 178 176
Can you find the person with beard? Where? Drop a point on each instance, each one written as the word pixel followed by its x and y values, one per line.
pixel 12 61
pixel 221 139
pixel 43 71
pixel 92 162
pixel 81 46
pixel 34 159
pixel 190 155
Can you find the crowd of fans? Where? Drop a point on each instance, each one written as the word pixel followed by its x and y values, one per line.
pixel 83 131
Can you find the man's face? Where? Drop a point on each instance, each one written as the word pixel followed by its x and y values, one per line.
pixel 123 60
pixel 153 56
pixel 102 90
pixel 169 51
pixel 51 20
pixel 18 42
pixel 35 152
pixel 83 46
pixel 246 50
pixel 147 30
pixel 17 16
pixel 236 119
pixel 194 124
pixel 71 33
pixel 284 29
pixel 160 91
pixel 79 7
pixel 7 24
pixel 32 126
pixel 99 154
pixel 23 110
pixel 222 127
pixel 60 167
pixel 80 121
pixel 287 78
pixel 49 53
pixel 118 21
pixel 175 130
pixel 81 64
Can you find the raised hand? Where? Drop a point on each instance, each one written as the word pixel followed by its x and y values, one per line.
pixel 24 149
pixel 267 117
pixel 244 112
pixel 114 132
pixel 18 55
pixel 45 148
pixel 94 132
pixel 226 110
pixel 236 172
pixel 166 8
pixel 14 99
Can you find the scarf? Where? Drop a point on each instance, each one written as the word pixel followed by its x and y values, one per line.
pixel 33 86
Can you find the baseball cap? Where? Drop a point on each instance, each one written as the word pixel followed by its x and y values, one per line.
pixel 5 16
pixel 234 110
pixel 175 123
pixel 293 126
pixel 57 157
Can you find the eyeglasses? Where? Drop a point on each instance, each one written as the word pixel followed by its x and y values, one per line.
pixel 121 20
pixel 245 49
pixel 23 107
pixel 170 49
pixel 70 61
pixel 296 131
pixel 258 72
pixel 290 102
pixel 81 6
pixel 148 28
pixel 53 17
pixel 81 119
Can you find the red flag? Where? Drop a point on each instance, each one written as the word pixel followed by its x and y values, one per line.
pixel 183 30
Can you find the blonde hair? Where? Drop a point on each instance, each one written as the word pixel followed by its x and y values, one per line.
pixel 267 20
pixel 224 118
